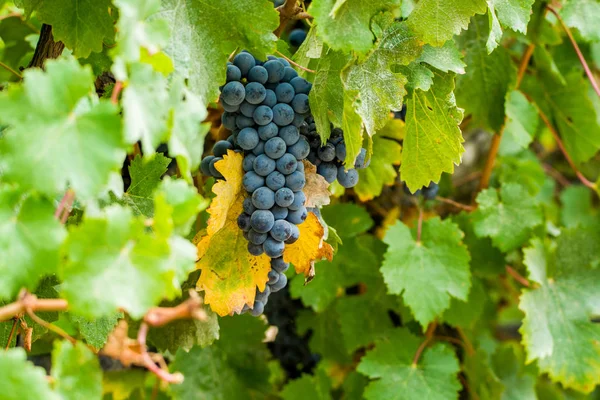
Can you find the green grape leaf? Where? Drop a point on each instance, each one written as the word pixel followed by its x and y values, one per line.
pixel 81 25
pixel 557 331
pixel 136 31
pixel 76 371
pixel 418 76
pixel 30 240
pixel 348 219
pixel 430 271
pixel 583 15
pixel 519 381
pixel 446 58
pixel 315 387
pixel 114 263
pixel 383 170
pixel 322 341
pixel 19 379
pixel 204 34
pixel 437 21
pixel 177 205
pixel 66 125
pixel 145 177
pixel 482 90
pixel 571 110
pixel 95 331
pixel 521 124
pixel 327 95
pixel 352 127
pixel 123 384
pixel 467 313
pixel 577 207
pixel 384 91
pixel 433 141
pixel 390 363
pixel 525 169
pixel 186 140
pixel 14 46
pixel 506 216
pixel 513 14
pixel 346 25
pixel 481 376
pixel 145 107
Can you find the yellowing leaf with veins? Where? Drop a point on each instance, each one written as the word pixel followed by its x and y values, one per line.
pixel 309 248
pixel 230 274
pixel 316 188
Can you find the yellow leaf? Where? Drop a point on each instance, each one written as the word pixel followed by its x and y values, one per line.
pixel 316 188
pixel 309 248
pixel 230 274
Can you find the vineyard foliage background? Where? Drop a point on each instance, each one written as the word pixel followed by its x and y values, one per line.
pixel 489 291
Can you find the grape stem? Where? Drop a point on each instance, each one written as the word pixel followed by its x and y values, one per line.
pixel 289 11
pixel 517 277
pixel 295 63
pixel 64 207
pixel 419 224
pixel 455 203
pixel 12 71
pixel 114 98
pixel 428 338
pixel 161 373
pixel 12 332
pixel 588 72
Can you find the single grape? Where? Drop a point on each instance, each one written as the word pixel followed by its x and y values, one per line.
pixel 231 139
pixel 361 161
pixel 289 134
pixel 263 115
pixel 281 230
pixel 243 222
pixel 255 249
pixel 263 198
pixel 245 62
pixel 248 206
pixel 273 248
pixel 297 36
pixel 248 163
pixel 270 98
pixel 299 200
pixel 258 74
pixel 233 73
pixel 230 108
pixel 327 171
pixel 247 109
pixel 295 181
pixel 233 93
pixel 297 217
pixel 220 148
pixel 268 131
pixel 300 166
pixel 315 142
pixel 301 85
pixel 283 114
pixel 263 165
pixel 285 62
pixel 401 114
pixel 255 93
pixel 275 148
pixel 279 265
pixel 243 122
pixel 205 166
pixel 285 93
pixel 279 212
pixel 247 139
pixel 430 192
pixel 256 237
pixel 327 152
pixel 347 179
pixel 340 151
pixel 275 180
pixel 335 140
pixel 213 170
pixel 275 69
pixel 293 237
pixel 298 120
pixel 300 103
pixel 314 159
pixel 273 277
pixel 257 309
pixel 336 132
pixel 287 164
pixel 228 120
pixel 289 73
pixel 300 150
pixel 259 149
pixel 284 197
pixel 262 221
pixel 252 181
pixel 263 296
pixel 280 284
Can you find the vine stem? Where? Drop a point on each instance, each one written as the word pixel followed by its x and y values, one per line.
pixel 587 69
pixel 419 224
pixel 64 207
pixel 295 63
pixel 518 277
pixel 455 203
pixel 428 338
pixel 162 374
pixel 12 71
pixel 289 11
pixel 562 148
pixel 495 146
pixel 114 98
pixel 12 332
pixel 51 327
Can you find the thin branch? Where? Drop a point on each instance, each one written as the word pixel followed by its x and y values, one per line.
pixel 517 277
pixel 149 363
pixel 12 332
pixel 51 327
pixel 450 339
pixel 295 63
pixel 455 204
pixel 29 301
pixel 64 207
pixel 428 337
pixel 588 72
pixel 419 224
pixel 495 146
pixel 558 177
pixel 288 11
pixel 46 48
pixel 189 309
pixel 12 71
pixel 466 341
pixel 114 98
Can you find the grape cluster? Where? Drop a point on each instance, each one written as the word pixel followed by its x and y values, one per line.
pixel 329 158
pixel 265 103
